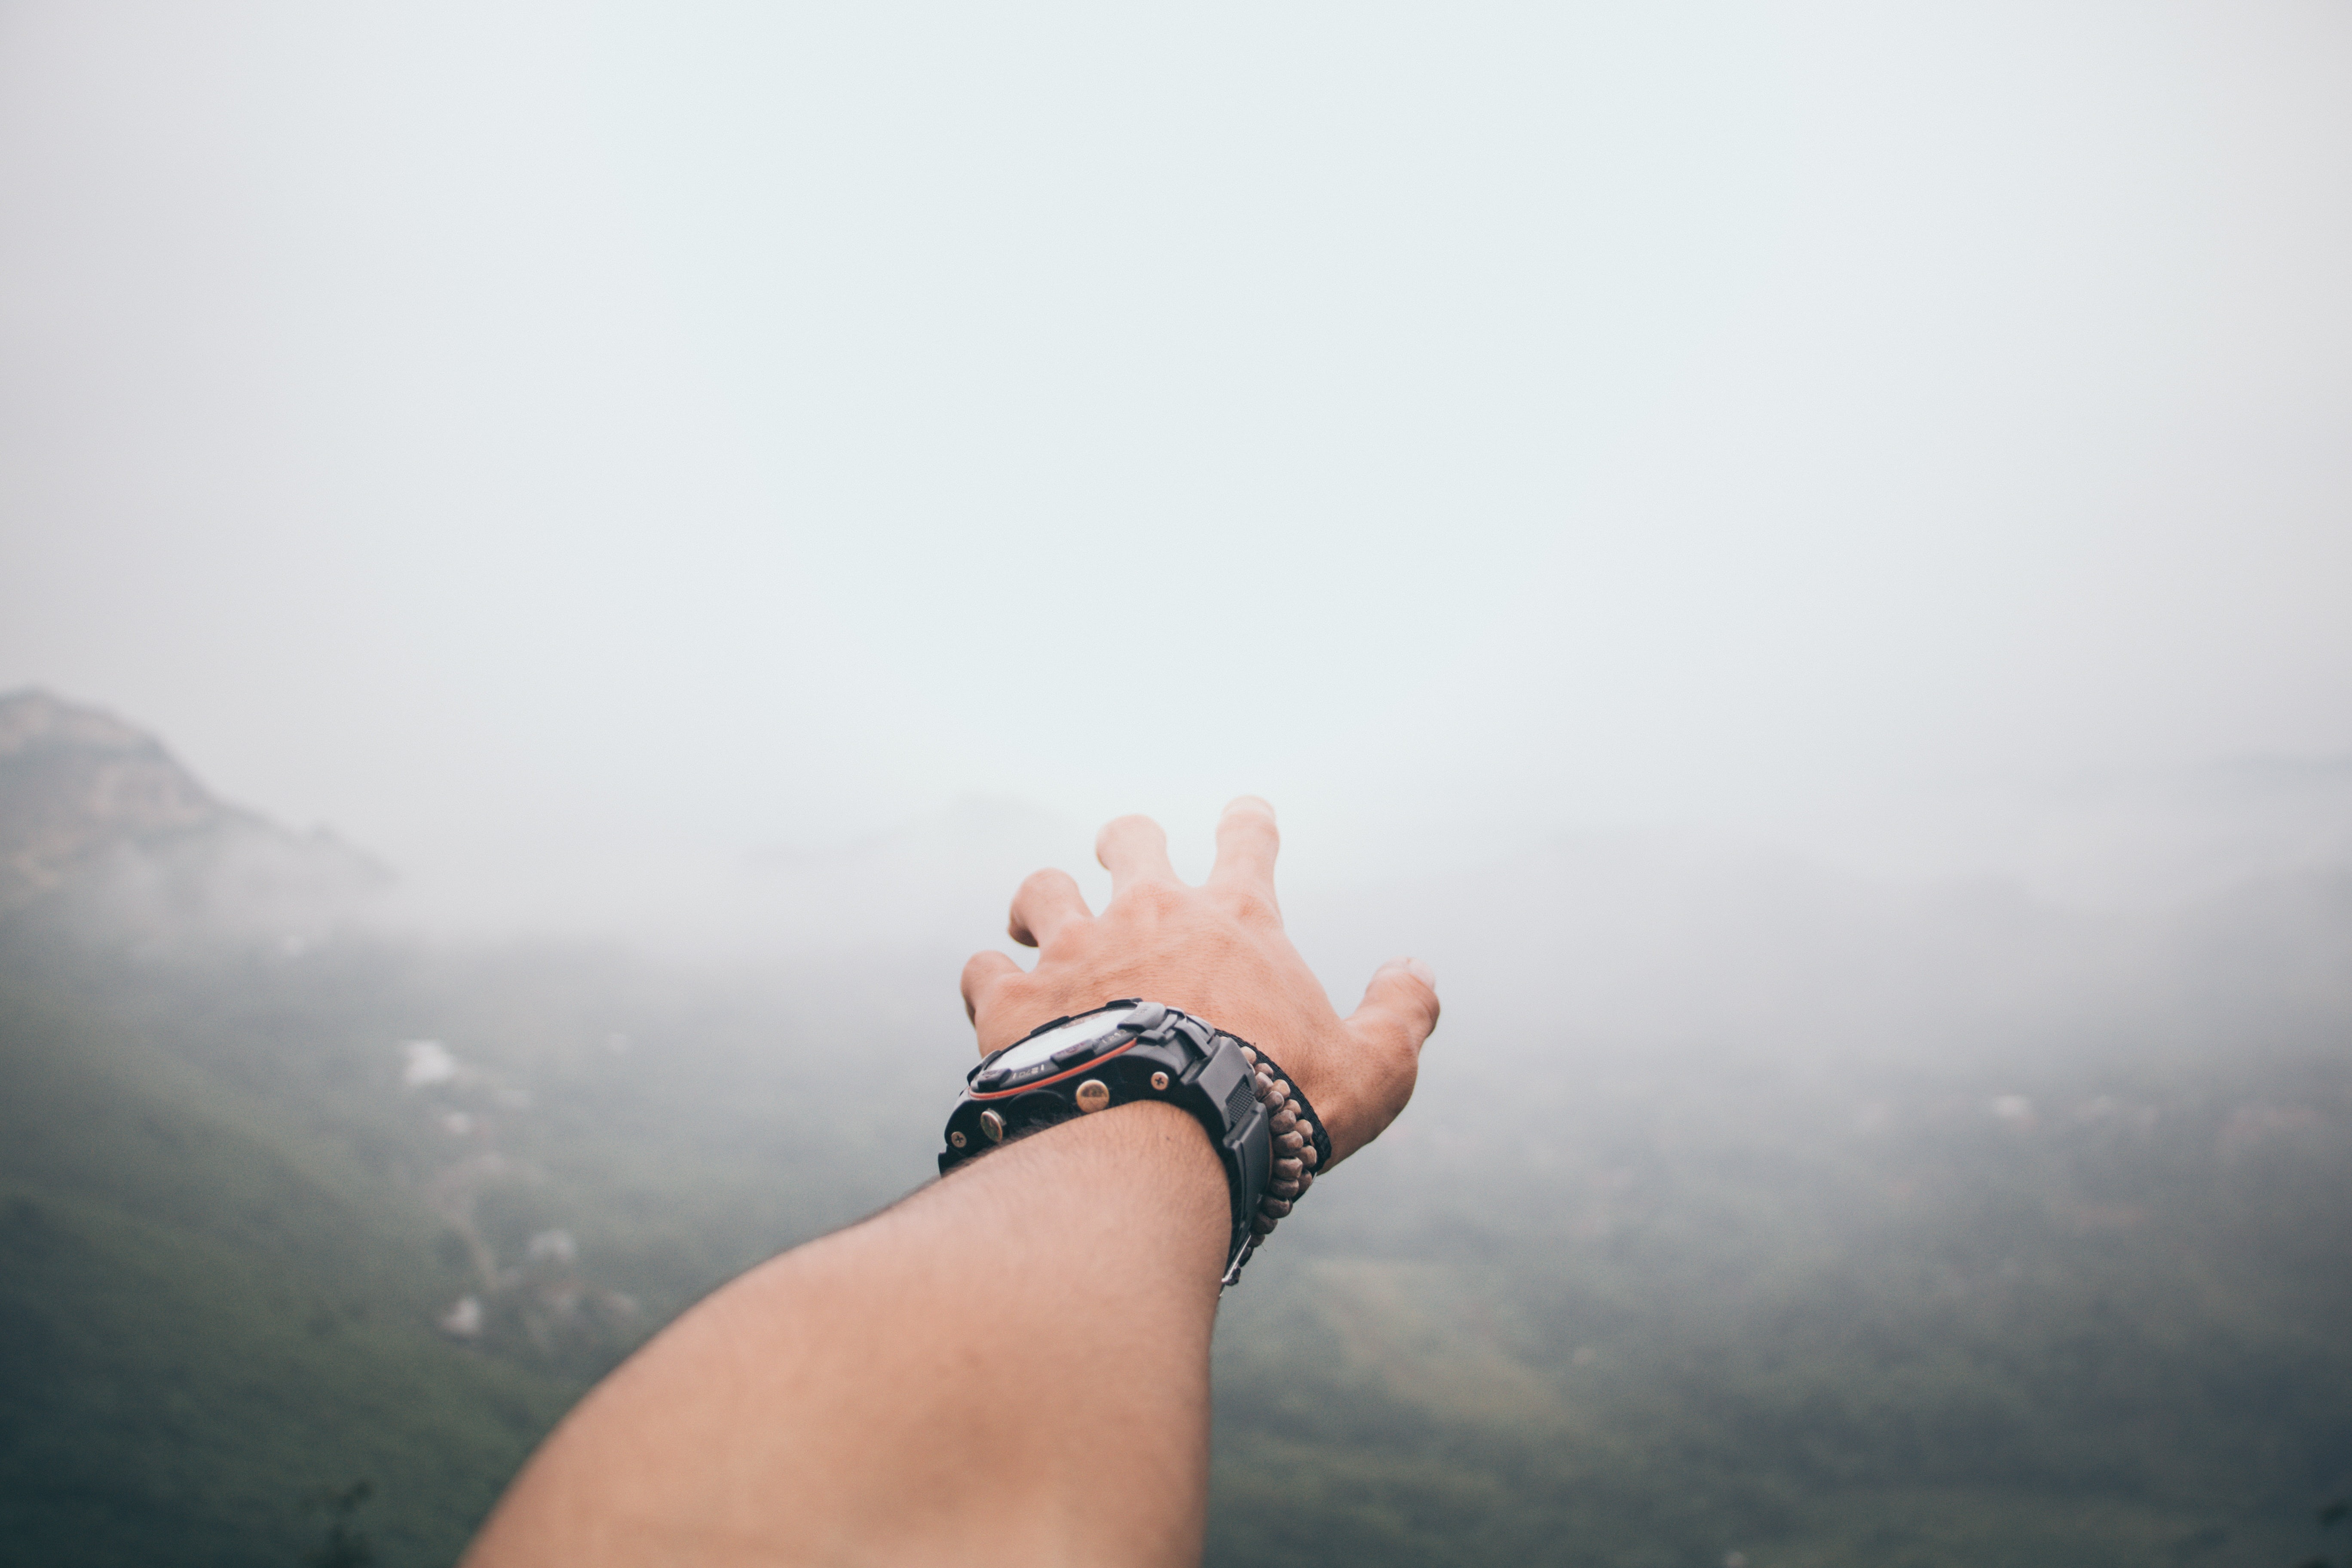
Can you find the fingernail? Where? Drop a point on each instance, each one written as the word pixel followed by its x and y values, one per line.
pixel 1416 968
pixel 1257 803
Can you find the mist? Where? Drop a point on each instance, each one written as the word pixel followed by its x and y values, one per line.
pixel 576 455
pixel 557 567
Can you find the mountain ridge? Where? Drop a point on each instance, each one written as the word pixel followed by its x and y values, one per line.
pixel 94 807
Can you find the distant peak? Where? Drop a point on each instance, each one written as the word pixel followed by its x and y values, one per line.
pixel 88 801
pixel 33 719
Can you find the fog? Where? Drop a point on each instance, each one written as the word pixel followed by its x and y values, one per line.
pixel 1797 554
pixel 603 458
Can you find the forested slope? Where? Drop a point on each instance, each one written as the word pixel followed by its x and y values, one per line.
pixel 199 1328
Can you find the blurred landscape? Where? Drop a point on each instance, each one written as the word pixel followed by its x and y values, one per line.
pixel 557 568
pixel 1750 1212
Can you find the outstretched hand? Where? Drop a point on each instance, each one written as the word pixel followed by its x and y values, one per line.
pixel 873 1395
pixel 1218 951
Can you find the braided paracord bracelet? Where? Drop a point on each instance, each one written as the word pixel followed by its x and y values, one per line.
pixel 1302 1146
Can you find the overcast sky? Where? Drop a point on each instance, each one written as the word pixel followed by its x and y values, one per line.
pixel 512 436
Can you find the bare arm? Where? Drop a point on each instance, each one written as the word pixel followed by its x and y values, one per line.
pixel 881 1396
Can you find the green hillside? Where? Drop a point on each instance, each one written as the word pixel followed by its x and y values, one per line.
pixel 198 1328
pixel 2072 1301
pixel 229 1227
pixel 2114 1333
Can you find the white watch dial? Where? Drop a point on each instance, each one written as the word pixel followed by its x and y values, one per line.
pixel 1030 1052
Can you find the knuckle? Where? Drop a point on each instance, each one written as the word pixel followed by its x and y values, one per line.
pixel 1254 908
pixel 1073 939
pixel 1257 832
pixel 1153 898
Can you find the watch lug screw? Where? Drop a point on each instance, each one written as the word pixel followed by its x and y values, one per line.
pixel 956 1139
pixel 993 1125
pixel 1093 1095
pixel 1160 1081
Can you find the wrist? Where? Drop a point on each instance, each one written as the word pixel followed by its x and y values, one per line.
pixel 1262 1124
pixel 1138 1182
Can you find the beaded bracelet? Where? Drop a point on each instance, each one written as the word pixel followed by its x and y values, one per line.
pixel 1301 1146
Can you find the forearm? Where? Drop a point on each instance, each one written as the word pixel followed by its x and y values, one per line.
pixel 1013 1365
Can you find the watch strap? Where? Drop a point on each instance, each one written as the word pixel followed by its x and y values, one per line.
pixel 1265 1132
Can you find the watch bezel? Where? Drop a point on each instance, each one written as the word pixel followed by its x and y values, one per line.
pixel 1124 1033
pixel 1012 1090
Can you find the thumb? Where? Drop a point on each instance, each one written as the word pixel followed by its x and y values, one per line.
pixel 1399 1009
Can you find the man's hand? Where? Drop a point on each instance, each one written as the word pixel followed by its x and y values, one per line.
pixel 1217 952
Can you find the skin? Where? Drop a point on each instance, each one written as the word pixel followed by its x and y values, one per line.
pixel 1011 1365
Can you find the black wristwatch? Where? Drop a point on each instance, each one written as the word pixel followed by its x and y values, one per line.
pixel 1130 1050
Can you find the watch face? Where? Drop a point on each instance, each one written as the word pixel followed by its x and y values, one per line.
pixel 1032 1051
